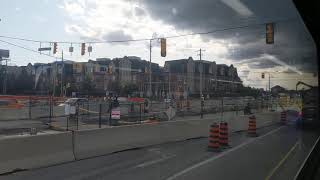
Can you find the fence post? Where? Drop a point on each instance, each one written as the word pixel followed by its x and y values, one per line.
pixel 29 108
pixel 140 113
pixel 100 108
pixel 201 113
pixel 110 107
pixel 88 109
pixel 222 108
pixel 68 117
pixel 50 110
pixel 77 110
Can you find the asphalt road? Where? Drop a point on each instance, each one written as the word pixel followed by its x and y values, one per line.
pixel 276 153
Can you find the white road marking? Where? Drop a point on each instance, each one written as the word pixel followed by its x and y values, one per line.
pixel 281 161
pixel 267 122
pixel 149 163
pixel 220 155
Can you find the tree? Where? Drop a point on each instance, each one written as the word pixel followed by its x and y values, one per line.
pixel 128 89
pixel 87 85
pixel 24 82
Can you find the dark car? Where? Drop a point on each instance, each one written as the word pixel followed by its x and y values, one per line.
pixel 309 115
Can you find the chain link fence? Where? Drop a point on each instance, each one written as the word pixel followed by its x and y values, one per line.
pixel 20 115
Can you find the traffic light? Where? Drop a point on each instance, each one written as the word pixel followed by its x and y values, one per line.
pixel 163 42
pixel 70 49
pixel 269 33
pixel 89 49
pixel 83 48
pixel 262 75
pixel 55 47
pixel 109 69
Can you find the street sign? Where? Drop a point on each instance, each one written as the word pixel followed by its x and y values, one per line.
pixel 4 53
pixel 115 113
pixel 269 33
pixel 44 49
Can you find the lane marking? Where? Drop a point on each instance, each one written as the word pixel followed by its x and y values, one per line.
pixel 282 161
pixel 307 157
pixel 267 122
pixel 149 163
pixel 174 176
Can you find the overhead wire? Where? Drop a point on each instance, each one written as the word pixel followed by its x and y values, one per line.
pixel 31 50
pixel 148 39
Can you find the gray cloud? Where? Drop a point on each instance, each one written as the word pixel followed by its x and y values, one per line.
pixel 139 11
pixel 292 41
pixel 117 35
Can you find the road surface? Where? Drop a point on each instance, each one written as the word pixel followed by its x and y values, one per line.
pixel 276 153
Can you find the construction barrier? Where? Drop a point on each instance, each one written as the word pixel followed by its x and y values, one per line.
pixel 223 138
pixel 27 152
pixel 252 127
pixel 214 141
pixel 283 117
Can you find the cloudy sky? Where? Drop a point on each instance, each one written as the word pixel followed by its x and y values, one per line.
pixel 238 36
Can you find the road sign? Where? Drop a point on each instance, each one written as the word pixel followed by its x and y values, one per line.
pixel 115 113
pixel 269 33
pixel 4 53
pixel 44 49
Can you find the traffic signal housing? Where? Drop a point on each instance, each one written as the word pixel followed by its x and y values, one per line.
pixel 109 69
pixel 163 43
pixel 269 33
pixel 83 48
pixel 262 75
pixel 55 47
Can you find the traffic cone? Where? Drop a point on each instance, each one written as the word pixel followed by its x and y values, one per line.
pixel 252 129
pixel 283 118
pixel 223 138
pixel 214 138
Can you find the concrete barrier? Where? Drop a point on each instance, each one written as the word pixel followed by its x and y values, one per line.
pixel 27 152
pixel 89 143
pixel 96 142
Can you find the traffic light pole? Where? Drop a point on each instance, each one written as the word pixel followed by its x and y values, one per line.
pixel 150 75
pixel 201 70
pixel 62 68
pixel 4 90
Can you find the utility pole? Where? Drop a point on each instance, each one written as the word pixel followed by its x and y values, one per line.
pixel 150 75
pixel 62 68
pixel 4 86
pixel 269 84
pixel 201 70
pixel 169 84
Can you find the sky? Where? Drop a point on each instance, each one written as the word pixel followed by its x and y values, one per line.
pixel 238 38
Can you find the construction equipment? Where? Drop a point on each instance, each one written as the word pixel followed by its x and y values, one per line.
pixel 309 112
